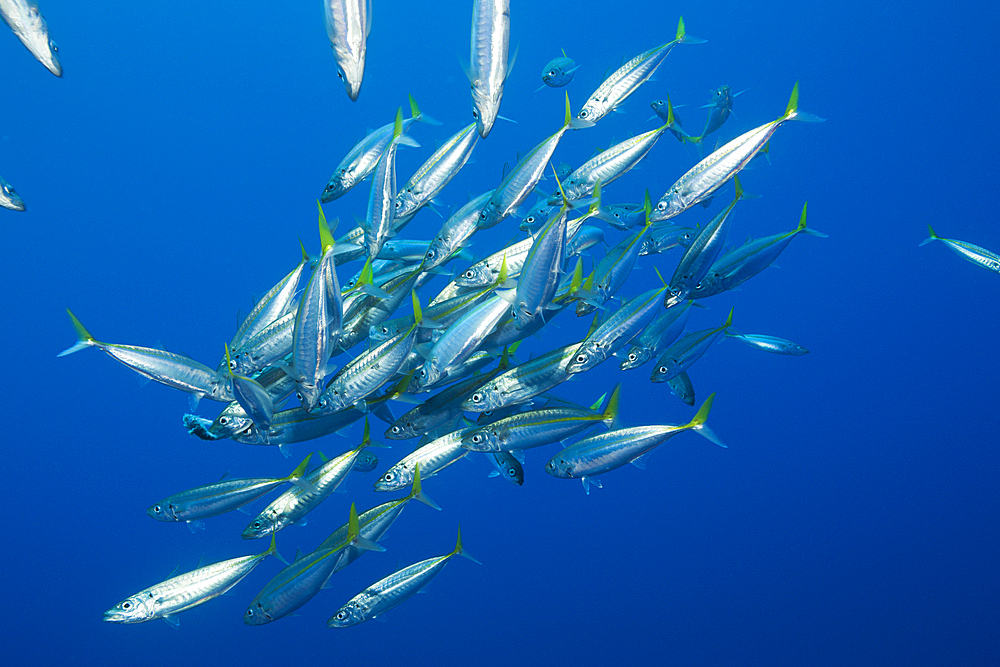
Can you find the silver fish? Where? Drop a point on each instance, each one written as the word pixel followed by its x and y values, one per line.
pixel 9 197
pixel 348 23
pixel 29 25
pixel 488 60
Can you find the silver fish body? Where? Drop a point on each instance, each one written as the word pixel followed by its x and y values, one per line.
pixel 9 198
pixel 29 25
pixel 488 60
pixel 348 23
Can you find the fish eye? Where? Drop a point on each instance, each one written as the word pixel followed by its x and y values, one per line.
pixel 475 114
pixel 552 72
pixel 477 397
pixel 632 356
pixel 256 524
pixel 431 254
pixel 388 476
pixel 329 186
pixel 662 369
pixel 511 472
pixel 477 438
pixel 232 365
pixel 298 395
pixel 469 274
pixel 223 421
pixel 580 358
pixel 126 605
pixel 250 612
pixel 395 429
pixel 385 330
pixel 341 615
pixel 584 114
pixel 661 206
pixel 156 508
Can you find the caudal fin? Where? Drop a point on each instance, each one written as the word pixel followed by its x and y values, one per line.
pixel 83 337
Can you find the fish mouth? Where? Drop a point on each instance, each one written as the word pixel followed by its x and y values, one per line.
pixel 113 616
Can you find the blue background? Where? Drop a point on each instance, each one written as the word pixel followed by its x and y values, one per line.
pixel 854 517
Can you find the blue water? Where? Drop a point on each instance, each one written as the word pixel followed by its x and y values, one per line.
pixel 854 517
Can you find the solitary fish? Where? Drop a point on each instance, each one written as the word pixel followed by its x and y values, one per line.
pixel 29 25
pixel 969 252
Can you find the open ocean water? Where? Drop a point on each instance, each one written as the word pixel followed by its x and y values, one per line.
pixel 853 519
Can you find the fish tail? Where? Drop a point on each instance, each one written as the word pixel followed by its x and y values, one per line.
pixel 611 411
pixel 460 550
pixel 325 232
pixel 698 423
pixel 273 549
pixel 683 38
pixel 792 110
pixel 729 320
pixel 418 313
pixel 417 493
pixel 419 116
pixel 83 337
pixel 933 237
pixel 296 475
pixel 812 232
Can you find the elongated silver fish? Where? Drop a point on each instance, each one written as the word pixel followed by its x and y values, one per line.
pixel 395 589
pixel 299 582
pixel 626 79
pixel 969 252
pixel 771 344
pixel 9 197
pixel 224 496
pixel 360 161
pixel 434 174
pixel 703 179
pixel 348 23
pixel 173 370
pixel 606 451
pixel 298 501
pixel 29 25
pixel 185 591
pixel 488 60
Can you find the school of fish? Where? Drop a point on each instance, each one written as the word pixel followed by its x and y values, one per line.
pixel 425 329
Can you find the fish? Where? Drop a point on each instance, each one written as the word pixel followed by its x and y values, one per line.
pixel 700 255
pixel 660 333
pixel 434 174
pixel 507 467
pixel 29 25
pixel 302 580
pixel 771 344
pixel 378 224
pixel 681 355
pixel 455 232
pixel 523 178
pixel 252 397
pixel 558 72
pixel 185 591
pixel 702 180
pixel 348 23
pixel 488 65
pixel 295 503
pixel 967 251
pixel 431 457
pixel 223 496
pixel 173 370
pixel 9 197
pixel 360 161
pixel 721 107
pixel 626 79
pixel 395 589
pixel 604 452
pixel 534 428
pixel 664 110
pixel 742 263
